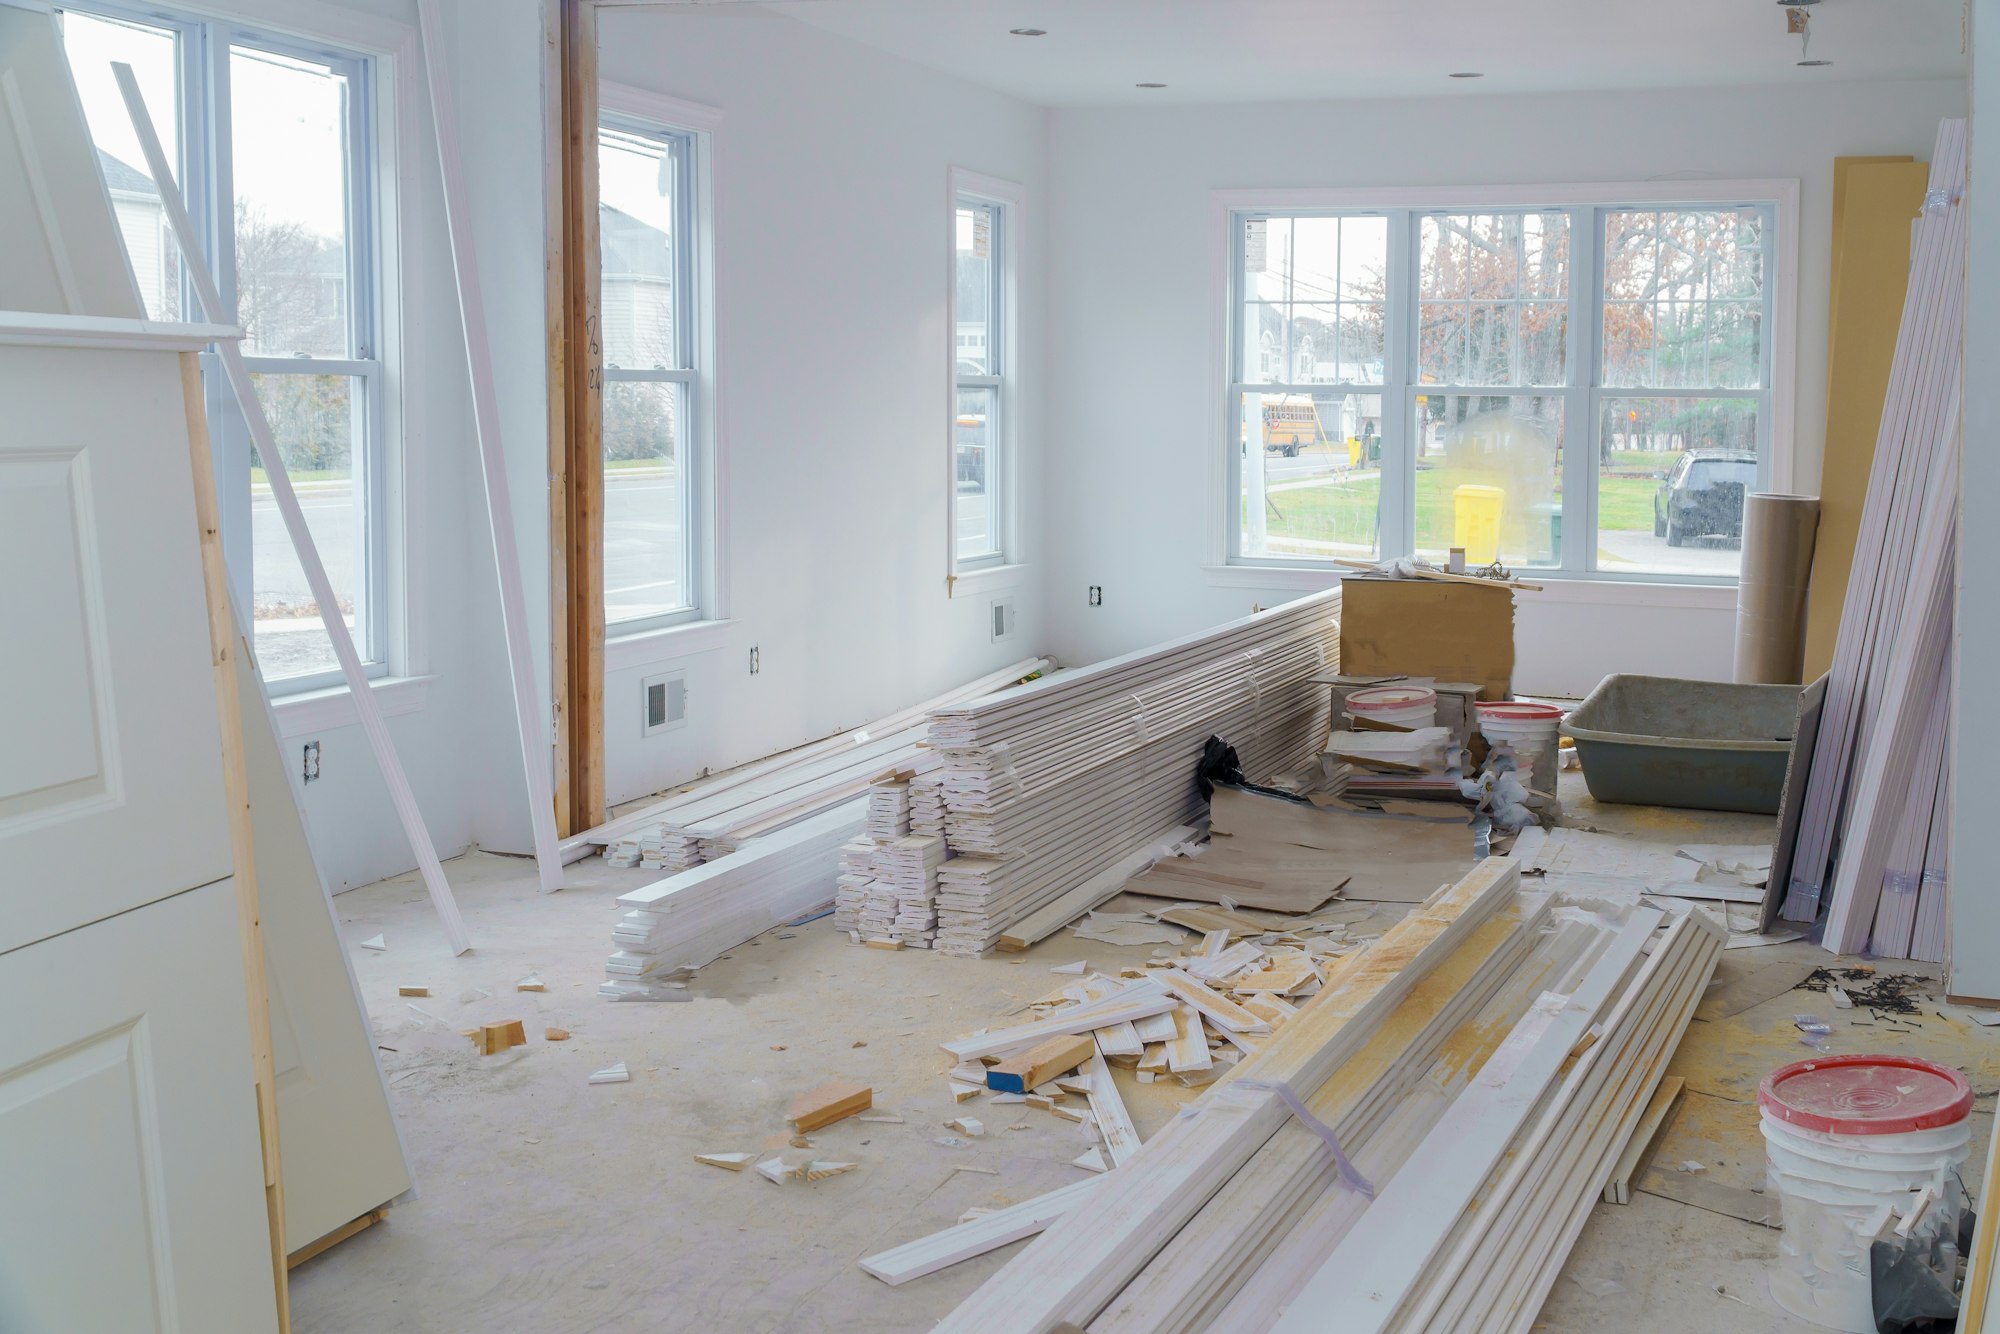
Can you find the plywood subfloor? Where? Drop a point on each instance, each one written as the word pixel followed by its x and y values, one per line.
pixel 546 1203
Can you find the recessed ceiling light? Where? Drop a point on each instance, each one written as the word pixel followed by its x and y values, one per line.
pixel 1028 32
pixel 1149 85
pixel 1468 74
pixel 1813 64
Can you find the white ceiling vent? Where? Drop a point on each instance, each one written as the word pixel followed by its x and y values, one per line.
pixel 665 702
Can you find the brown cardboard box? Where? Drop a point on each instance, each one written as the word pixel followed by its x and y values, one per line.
pixel 1420 627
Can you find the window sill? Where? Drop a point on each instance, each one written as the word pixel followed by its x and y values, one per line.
pixel 988 579
pixel 649 647
pixel 319 710
pixel 1603 590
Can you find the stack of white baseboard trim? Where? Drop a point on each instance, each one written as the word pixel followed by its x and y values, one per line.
pixel 691 919
pixel 1046 785
pixel 1480 1050
pixel 717 817
pixel 1873 827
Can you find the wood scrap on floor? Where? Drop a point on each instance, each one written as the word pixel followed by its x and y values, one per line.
pixel 1618 1190
pixel 832 1101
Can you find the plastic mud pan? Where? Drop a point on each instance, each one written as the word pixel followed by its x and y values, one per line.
pixel 1709 745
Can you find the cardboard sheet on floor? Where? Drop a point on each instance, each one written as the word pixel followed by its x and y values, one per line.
pixel 1265 852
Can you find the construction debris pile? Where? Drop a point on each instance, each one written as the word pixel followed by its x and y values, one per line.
pixel 1492 1047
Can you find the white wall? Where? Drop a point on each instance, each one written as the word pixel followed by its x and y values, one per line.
pixel 830 231
pixel 1133 342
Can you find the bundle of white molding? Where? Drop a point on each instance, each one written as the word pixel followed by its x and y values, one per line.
pixel 691 919
pixel 1488 1048
pixel 1047 784
pixel 721 815
pixel 1874 820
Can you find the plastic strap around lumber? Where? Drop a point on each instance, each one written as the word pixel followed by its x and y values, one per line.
pixel 1462 1148
pixel 1074 1271
pixel 1349 1175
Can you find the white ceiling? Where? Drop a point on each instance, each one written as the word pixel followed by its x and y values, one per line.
pixel 1291 50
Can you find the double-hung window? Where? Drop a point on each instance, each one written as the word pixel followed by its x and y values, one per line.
pixel 273 140
pixel 1582 385
pixel 981 379
pixel 655 465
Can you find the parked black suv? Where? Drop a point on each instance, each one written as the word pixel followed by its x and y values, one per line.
pixel 1703 495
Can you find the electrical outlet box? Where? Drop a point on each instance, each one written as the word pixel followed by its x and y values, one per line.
pixel 1000 615
pixel 309 762
pixel 1096 595
pixel 663 701
pixel 756 663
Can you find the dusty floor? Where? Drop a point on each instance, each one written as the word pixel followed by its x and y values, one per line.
pixel 547 1204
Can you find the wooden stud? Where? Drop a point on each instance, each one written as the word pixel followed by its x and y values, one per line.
pixel 583 409
pixel 830 1102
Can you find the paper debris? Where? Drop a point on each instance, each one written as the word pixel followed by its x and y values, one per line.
pixel 953 1142
pixel 374 943
pixel 612 1074
pixel 774 1171
pixel 1985 1018
pixel 732 1162
pixel 965 1092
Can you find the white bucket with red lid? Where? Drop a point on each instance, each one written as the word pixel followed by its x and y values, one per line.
pixel 1530 730
pixel 1845 1136
pixel 1399 706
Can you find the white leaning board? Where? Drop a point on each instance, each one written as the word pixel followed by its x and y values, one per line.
pixel 337 1137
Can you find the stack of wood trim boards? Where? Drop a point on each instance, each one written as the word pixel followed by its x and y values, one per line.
pixel 1047 785
pixel 1416 1147
pixel 762 845
pixel 1872 838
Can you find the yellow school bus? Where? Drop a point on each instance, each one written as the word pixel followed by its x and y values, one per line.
pixel 1291 423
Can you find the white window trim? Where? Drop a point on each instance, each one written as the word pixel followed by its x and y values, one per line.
pixel 404 620
pixel 1223 568
pixel 314 711
pixel 632 643
pixel 963 579
pixel 649 648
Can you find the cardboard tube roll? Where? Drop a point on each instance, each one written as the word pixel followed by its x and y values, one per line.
pixel 1778 536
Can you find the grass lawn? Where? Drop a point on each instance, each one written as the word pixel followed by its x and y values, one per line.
pixel 302 475
pixel 1343 510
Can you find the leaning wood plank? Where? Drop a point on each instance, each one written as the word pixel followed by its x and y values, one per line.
pixel 832 1101
pixel 1619 1189
pixel 927 1255
pixel 225 643
pixel 1079 1265
pixel 1362 1286
pixel 366 707
pixel 528 714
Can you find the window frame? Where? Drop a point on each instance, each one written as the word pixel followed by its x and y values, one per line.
pixel 1582 392
pixel 649 115
pixel 1003 467
pixel 205 174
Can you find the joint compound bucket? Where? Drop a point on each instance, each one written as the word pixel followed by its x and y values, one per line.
pixel 1531 730
pixel 1851 1143
pixel 1400 706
